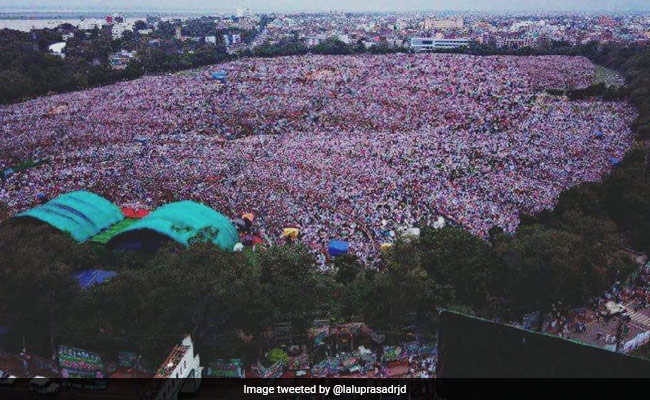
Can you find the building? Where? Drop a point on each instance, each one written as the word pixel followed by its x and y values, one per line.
pixel 120 59
pixel 183 367
pixel 430 44
pixel 58 49
pixel 473 347
pixel 242 12
pixel 118 29
pixel 231 39
pixel 450 23
pixel 517 43
pixel 311 41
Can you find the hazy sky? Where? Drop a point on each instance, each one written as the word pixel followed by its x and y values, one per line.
pixel 326 5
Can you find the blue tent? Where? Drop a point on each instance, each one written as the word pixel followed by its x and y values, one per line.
pixel 598 134
pixel 7 173
pixel 615 161
pixel 92 277
pixel 219 75
pixel 338 248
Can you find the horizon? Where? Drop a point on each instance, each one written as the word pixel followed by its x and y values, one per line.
pixel 352 6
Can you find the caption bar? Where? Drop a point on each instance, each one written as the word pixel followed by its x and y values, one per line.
pixel 336 390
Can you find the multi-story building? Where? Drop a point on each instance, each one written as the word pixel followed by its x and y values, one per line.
pixel 450 23
pixel 429 44
pixel 180 373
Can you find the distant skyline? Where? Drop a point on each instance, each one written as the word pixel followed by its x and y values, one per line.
pixel 223 6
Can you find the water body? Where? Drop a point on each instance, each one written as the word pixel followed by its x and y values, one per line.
pixel 26 20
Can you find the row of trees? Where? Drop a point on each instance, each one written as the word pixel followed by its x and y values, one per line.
pixel 220 297
pixel 27 69
pixel 330 46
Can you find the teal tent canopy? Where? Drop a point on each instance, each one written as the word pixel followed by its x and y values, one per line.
pixel 82 214
pixel 180 222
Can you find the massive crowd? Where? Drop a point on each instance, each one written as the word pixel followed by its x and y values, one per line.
pixel 346 147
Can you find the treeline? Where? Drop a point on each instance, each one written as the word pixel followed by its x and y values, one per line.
pixel 229 301
pixel 329 46
pixel 28 70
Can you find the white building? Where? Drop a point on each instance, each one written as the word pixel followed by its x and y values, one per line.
pixel 450 23
pixel 344 38
pixel 242 12
pixel 311 41
pixel 429 44
pixel 118 29
pixel 231 39
pixel 183 366
pixel 57 49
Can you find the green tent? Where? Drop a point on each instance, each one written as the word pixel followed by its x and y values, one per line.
pixel 82 214
pixel 180 222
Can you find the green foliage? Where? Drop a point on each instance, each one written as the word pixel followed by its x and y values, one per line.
pixel 456 258
pixel 27 69
pixel 36 284
pixel 276 355
pixel 404 288
pixel 288 285
pixel 347 268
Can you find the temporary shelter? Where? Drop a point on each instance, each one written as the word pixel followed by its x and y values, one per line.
pixel 180 222
pixel 82 214
pixel 338 248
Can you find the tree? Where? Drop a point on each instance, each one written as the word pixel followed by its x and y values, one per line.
pixel 347 268
pixel 139 25
pixel 288 286
pixel 36 283
pixel 454 257
pixel 14 85
pixel 276 355
pixel 403 288
pixel 543 266
pixel 627 197
pixel 203 291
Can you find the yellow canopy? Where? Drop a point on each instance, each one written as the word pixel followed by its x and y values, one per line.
pixel 386 246
pixel 290 232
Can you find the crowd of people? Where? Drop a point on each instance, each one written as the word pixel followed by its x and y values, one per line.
pixel 340 147
pixel 598 322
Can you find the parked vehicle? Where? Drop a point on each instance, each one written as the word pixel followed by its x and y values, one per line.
pixel 6 379
pixel 43 385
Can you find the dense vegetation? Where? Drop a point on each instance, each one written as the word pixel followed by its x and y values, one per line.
pixel 330 46
pixel 27 69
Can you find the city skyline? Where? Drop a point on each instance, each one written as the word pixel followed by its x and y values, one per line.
pixel 220 6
